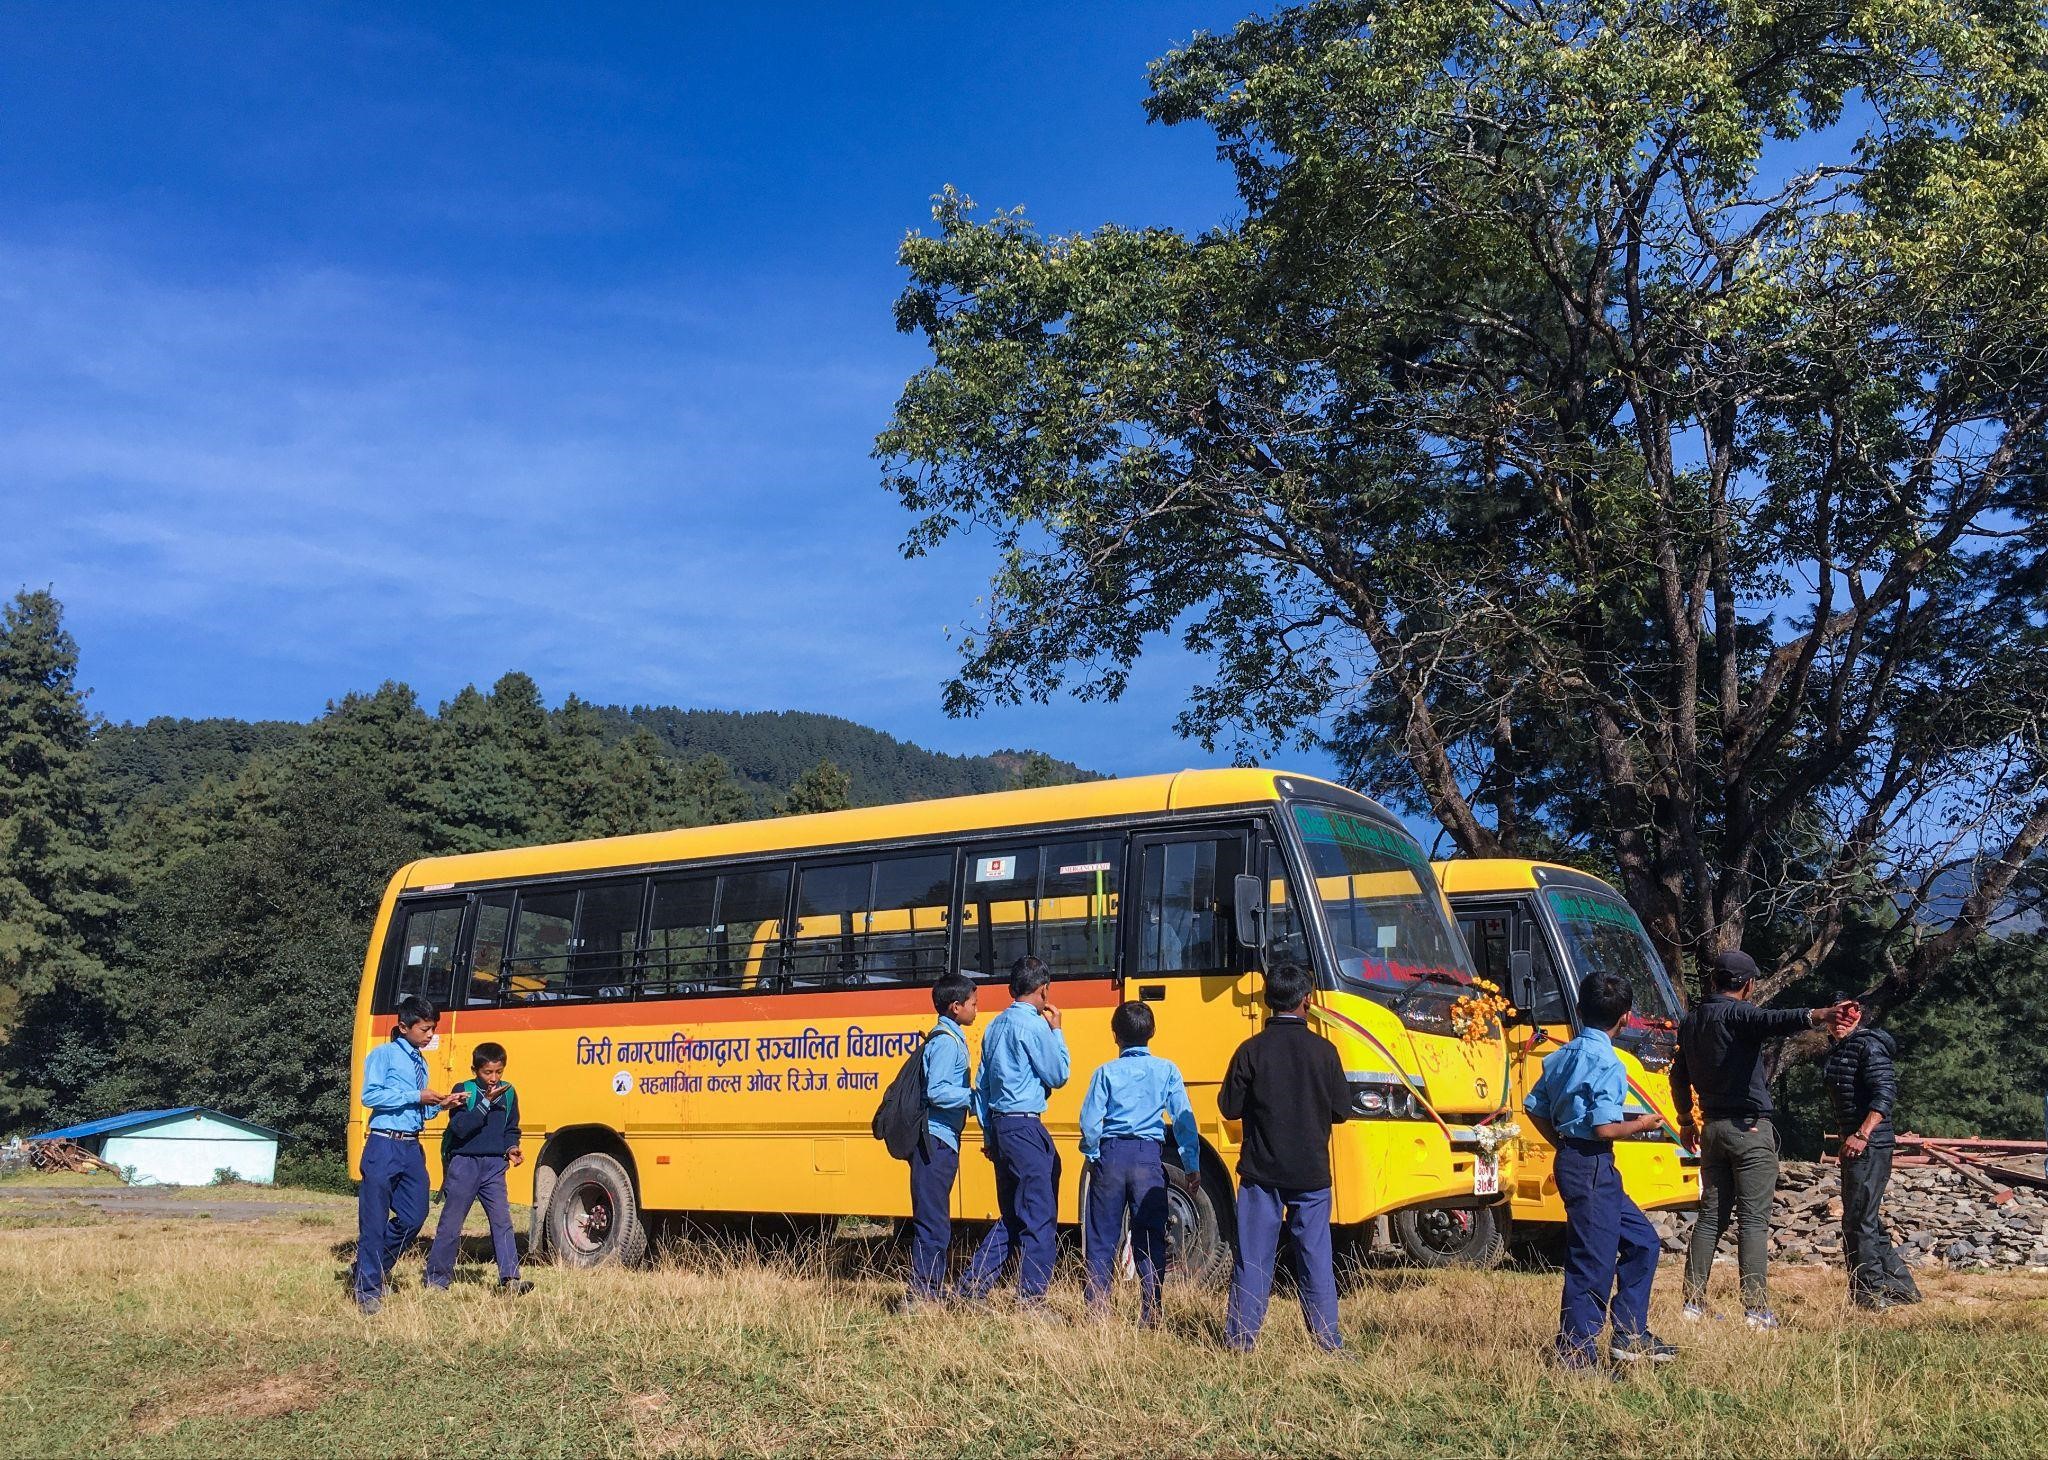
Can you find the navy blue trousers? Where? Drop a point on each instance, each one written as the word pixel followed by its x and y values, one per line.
pixel 1262 1211
pixel 1027 1194
pixel 932 1169
pixel 1610 1252
pixel 467 1179
pixel 1129 1178
pixel 391 1207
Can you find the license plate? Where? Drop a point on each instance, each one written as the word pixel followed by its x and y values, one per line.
pixel 1486 1176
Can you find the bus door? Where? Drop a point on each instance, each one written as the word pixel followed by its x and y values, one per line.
pixel 1502 935
pixel 1181 953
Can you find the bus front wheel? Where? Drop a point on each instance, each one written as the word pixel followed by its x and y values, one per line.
pixel 1452 1236
pixel 1201 1227
pixel 594 1214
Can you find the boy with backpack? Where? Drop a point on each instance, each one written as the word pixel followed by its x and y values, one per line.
pixel 1124 1116
pixel 934 1153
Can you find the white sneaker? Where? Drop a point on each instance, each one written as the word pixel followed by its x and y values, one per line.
pixel 1761 1318
pixel 1693 1312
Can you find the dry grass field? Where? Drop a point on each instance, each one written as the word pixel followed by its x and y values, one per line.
pixel 152 1335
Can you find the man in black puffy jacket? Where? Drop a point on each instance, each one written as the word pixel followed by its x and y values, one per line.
pixel 1863 1087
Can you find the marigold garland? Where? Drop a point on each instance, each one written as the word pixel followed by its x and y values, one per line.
pixel 1477 1016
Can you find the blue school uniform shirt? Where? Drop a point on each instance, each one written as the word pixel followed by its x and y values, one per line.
pixel 394 1077
pixel 1582 1086
pixel 947 1089
pixel 1135 1094
pixel 1023 1060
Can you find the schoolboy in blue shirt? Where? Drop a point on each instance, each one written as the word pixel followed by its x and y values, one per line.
pixel 1610 1248
pixel 1123 1135
pixel 480 1145
pixel 391 1204
pixel 1023 1060
pixel 948 1090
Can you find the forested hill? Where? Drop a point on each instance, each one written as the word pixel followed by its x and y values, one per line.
pixel 166 759
pixel 770 750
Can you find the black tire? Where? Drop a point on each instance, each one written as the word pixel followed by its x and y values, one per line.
pixel 594 1214
pixel 1452 1236
pixel 1200 1229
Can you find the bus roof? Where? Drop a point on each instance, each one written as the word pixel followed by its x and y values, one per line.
pixel 1465 875
pixel 1083 801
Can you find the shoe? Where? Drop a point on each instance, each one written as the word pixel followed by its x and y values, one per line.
pixel 1640 1348
pixel 1871 1302
pixel 1693 1312
pixel 516 1288
pixel 369 1307
pixel 434 1287
pixel 1762 1319
pixel 1581 1367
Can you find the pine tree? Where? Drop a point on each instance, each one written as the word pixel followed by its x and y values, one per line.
pixel 60 894
pixel 824 787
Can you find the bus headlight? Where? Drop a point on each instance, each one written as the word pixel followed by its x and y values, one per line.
pixel 1377 1096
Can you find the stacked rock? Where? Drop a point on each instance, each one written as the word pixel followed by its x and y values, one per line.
pixel 1935 1216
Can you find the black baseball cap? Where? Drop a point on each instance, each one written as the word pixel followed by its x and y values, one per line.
pixel 1735 966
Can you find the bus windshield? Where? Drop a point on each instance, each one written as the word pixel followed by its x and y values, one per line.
pixel 1385 914
pixel 1602 934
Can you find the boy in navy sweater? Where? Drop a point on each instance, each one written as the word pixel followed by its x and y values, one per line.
pixel 480 1145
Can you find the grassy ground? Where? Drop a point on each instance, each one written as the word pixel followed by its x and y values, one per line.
pixel 143 1336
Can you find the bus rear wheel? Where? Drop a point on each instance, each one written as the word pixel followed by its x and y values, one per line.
pixel 1452 1236
pixel 594 1214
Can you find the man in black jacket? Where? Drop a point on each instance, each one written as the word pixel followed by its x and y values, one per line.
pixel 1720 1057
pixel 1863 1087
pixel 1286 1083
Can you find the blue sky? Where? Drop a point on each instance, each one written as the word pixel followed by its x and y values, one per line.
pixel 358 342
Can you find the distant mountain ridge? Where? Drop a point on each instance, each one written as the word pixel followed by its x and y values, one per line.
pixel 166 758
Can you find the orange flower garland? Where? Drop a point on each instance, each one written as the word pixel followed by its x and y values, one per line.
pixel 1477 1016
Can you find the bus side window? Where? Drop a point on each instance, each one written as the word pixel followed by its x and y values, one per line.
pixel 1056 902
pixel 1551 1007
pixel 425 945
pixel 487 948
pixel 1285 940
pixel 879 922
pixel 607 940
pixel 1178 900
pixel 543 928
pixel 683 945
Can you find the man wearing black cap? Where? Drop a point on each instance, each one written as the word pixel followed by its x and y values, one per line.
pixel 1720 1056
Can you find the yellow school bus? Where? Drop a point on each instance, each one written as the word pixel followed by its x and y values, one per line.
pixel 1539 929
pixel 703 1020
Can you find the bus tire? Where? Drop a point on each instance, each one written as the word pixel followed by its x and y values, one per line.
pixel 1201 1229
pixel 594 1214
pixel 1452 1236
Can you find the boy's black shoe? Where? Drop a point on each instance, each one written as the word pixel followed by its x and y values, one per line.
pixel 516 1288
pixel 1640 1348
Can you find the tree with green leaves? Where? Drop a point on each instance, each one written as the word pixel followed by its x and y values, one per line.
pixel 824 787
pixel 60 892
pixel 1613 428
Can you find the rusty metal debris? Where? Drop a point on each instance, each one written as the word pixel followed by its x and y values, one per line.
pixel 1988 1164
pixel 54 1156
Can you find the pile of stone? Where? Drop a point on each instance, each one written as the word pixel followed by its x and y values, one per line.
pixel 1936 1216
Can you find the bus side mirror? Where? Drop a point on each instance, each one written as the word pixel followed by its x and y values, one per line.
pixel 1249 902
pixel 1522 981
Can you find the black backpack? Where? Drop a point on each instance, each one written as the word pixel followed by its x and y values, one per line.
pixel 899 1119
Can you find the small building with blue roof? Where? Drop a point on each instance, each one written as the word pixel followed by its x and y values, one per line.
pixel 186 1146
